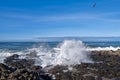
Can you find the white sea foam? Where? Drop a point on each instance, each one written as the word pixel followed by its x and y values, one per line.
pixel 5 54
pixel 69 52
pixel 103 48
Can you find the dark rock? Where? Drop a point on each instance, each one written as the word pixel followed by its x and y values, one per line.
pixel 117 78
pixel 21 63
pixel 46 77
pixel 24 74
pixel 11 58
pixel 36 68
pixel 14 61
pixel 99 78
pixel 88 78
pixel 32 54
pixel 3 67
pixel 21 69
pixel 106 67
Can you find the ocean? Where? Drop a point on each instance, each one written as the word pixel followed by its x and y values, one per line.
pixel 56 52
pixel 18 46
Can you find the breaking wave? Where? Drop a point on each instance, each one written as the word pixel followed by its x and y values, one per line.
pixel 72 52
pixel 103 48
pixel 69 52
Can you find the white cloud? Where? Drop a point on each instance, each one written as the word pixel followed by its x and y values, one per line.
pixel 66 17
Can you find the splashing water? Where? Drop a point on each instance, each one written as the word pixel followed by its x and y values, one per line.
pixel 69 52
pixel 72 52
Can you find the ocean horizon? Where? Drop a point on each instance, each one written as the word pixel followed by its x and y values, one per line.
pixel 59 39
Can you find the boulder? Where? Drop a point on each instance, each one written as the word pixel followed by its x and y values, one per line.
pixel 14 61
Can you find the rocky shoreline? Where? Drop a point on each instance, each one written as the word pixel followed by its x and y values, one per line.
pixel 106 66
pixel 22 69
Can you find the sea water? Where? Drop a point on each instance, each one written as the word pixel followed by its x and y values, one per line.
pixel 67 52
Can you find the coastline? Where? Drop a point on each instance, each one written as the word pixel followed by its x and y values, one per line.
pixel 106 66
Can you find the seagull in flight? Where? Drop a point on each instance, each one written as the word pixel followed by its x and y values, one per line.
pixel 94 5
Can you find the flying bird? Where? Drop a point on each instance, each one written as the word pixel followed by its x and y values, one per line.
pixel 94 5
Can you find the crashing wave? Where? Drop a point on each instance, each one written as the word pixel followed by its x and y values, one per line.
pixel 69 52
pixel 103 48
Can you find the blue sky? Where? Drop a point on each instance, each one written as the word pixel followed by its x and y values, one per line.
pixel 28 19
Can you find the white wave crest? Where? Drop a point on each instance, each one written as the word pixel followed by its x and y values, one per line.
pixel 103 48
pixel 69 52
pixel 5 54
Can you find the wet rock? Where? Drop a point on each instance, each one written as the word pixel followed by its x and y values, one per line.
pixel 11 58
pixel 3 67
pixel 117 78
pixel 88 78
pixel 32 54
pixel 106 66
pixel 21 63
pixel 23 74
pixel 98 78
pixel 58 69
pixel 21 69
pixel 36 68
pixel 14 61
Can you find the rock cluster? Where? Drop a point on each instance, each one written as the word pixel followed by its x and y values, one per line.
pixel 14 61
pixel 21 69
pixel 106 66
